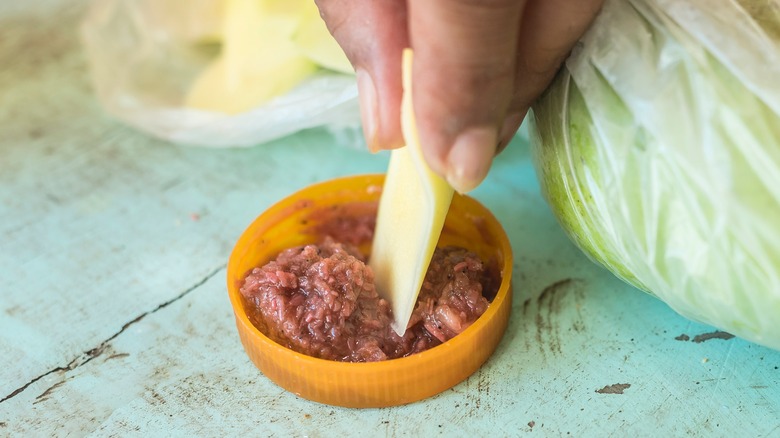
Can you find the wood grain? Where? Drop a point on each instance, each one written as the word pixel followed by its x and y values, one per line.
pixel 114 317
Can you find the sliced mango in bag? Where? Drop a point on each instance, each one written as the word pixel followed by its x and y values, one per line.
pixel 268 47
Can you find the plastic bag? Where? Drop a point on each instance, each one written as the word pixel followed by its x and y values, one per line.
pixel 658 149
pixel 144 55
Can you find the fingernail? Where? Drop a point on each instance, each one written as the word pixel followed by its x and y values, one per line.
pixel 470 157
pixel 511 124
pixel 368 108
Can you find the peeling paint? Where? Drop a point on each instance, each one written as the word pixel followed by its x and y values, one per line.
pixel 616 388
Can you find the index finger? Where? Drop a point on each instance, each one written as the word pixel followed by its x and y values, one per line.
pixel 464 70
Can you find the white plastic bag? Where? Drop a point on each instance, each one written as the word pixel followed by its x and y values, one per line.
pixel 658 148
pixel 145 54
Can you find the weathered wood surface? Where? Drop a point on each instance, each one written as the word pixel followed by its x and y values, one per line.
pixel 114 317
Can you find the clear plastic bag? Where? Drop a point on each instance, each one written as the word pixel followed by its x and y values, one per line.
pixel 145 54
pixel 658 148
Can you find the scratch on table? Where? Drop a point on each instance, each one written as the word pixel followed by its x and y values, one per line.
pixel 474 397
pixel 549 303
pixel 92 353
pixel 117 356
pixel 157 398
pixel 526 304
pixel 45 394
pixel 722 372
pixel 483 382
pixel 662 405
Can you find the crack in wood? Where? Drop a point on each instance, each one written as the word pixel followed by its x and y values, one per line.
pixel 92 353
pixel 45 394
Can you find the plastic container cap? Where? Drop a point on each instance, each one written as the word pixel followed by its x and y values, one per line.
pixel 295 221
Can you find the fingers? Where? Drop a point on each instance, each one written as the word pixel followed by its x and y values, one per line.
pixel 549 30
pixel 464 72
pixel 478 67
pixel 373 35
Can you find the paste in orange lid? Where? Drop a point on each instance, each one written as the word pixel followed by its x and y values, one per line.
pixel 300 219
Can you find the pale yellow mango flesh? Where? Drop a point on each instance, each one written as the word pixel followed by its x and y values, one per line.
pixel 316 43
pixel 411 215
pixel 268 47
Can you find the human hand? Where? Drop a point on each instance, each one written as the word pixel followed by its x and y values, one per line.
pixel 478 67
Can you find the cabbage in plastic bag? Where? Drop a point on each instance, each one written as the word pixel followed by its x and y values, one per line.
pixel 658 149
pixel 145 56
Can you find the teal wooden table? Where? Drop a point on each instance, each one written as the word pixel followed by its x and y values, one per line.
pixel 115 321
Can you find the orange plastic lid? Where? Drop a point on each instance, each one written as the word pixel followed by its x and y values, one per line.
pixel 297 220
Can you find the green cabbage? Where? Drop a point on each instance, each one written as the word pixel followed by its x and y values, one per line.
pixel 658 148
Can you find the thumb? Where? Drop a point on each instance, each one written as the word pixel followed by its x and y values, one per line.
pixel 464 70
